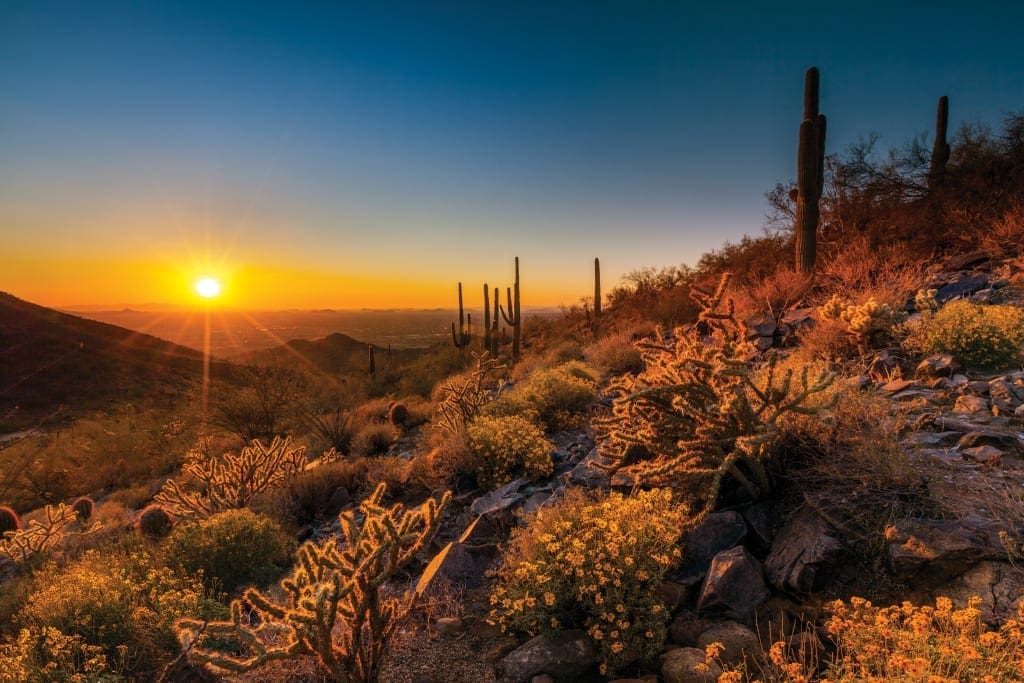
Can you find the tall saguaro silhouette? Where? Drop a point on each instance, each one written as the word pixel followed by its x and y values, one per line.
pixel 810 175
pixel 940 149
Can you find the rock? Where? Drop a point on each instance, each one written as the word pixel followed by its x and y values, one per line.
pixel 340 499
pixel 1000 586
pixel 762 344
pixel 986 455
pixel 500 499
pixel 734 586
pixel 858 382
pixel 761 519
pixel 623 481
pixel 717 532
pixel 450 626
pixel 542 678
pixel 1006 397
pixel 672 594
pixel 500 649
pixel 897 385
pixel 588 475
pixel 932 438
pixel 939 550
pixel 964 261
pixel 564 656
pixel 989 437
pixel 958 380
pixel 799 317
pixel 682 665
pixel 804 547
pixel 970 404
pixel 883 366
pixel 939 365
pixel 738 642
pixel 686 627
pixel 485 630
pixel 965 286
pixel 454 565
pixel 761 327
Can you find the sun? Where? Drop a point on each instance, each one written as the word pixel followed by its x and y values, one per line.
pixel 207 287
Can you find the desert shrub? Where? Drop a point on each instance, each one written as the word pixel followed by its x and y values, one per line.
pixel 615 355
pixel 987 337
pixel 391 470
pixel 230 481
pixel 232 549
pixel 698 413
pixel 261 404
pixel 48 656
pixel 560 395
pixel 454 460
pixel 909 642
pixel 329 588
pixel 1006 234
pixel 771 296
pixel 508 447
pixel 118 603
pixel 511 404
pixel 595 565
pixel 374 439
pixel 307 497
pixel 154 522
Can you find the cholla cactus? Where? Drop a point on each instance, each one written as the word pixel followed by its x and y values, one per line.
pixel 833 308
pixel 231 481
pixel 334 610
pixel 925 302
pixel 41 537
pixel 696 414
pixel 464 395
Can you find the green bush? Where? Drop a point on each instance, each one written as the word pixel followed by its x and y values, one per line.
pixel 118 605
pixel 232 549
pixel 595 565
pixel 560 395
pixel 508 447
pixel 986 337
pixel 616 355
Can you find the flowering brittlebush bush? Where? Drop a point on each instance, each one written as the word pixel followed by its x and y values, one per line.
pixel 508 447
pixel 987 337
pixel 557 397
pixel 595 565
pixel 915 643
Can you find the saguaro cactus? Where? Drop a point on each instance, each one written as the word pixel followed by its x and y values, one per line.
pixel 373 363
pixel 810 171
pixel 461 340
pixel 513 316
pixel 597 295
pixel 487 318
pixel 940 150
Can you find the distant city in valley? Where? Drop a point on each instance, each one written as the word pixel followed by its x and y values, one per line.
pixel 236 333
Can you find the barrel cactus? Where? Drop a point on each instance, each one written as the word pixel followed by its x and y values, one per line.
pixel 84 508
pixel 9 520
pixel 154 522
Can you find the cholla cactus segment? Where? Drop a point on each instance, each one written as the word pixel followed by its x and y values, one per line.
pixel 834 307
pixel 696 415
pixel 232 480
pixel 869 318
pixel 333 607
pixel 925 302
pixel 38 537
pixel 463 396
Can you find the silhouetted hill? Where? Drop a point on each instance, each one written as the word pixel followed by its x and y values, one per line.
pixel 50 359
pixel 335 354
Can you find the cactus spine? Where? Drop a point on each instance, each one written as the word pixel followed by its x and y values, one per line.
pixel 810 172
pixel 597 295
pixel 9 520
pixel 513 316
pixel 940 150
pixel 461 340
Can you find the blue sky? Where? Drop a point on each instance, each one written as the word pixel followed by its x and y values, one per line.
pixel 424 143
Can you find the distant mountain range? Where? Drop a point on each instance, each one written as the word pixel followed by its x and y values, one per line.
pixel 50 359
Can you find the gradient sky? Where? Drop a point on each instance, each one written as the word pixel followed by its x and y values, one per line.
pixel 329 154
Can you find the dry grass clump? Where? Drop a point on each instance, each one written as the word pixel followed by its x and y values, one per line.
pixel 771 296
pixel 594 564
pixel 374 439
pixel 861 271
pixel 308 497
pixel 615 355
pixel 1006 234
pixel 908 642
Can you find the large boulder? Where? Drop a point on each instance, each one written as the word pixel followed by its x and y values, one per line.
pixel 688 665
pixel 938 365
pixel 566 656
pixel 805 547
pixel 734 587
pixel 939 550
pixel 588 475
pixel 717 532
pixel 456 565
